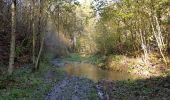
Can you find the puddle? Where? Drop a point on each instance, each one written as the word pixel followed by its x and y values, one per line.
pixel 92 72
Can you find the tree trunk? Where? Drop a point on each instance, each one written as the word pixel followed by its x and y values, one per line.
pixel 40 52
pixel 41 36
pixel 159 43
pixel 144 47
pixel 59 22
pixel 33 32
pixel 12 47
pixel 157 31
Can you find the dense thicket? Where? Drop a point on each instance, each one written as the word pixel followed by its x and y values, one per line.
pixel 121 27
pixel 127 26
pixel 4 29
pixel 28 23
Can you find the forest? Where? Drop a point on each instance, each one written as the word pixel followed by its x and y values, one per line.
pixel 84 49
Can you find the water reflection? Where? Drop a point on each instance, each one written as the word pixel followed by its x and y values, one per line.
pixel 94 73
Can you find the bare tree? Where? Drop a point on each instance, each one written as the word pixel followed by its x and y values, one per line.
pixel 33 32
pixel 41 33
pixel 13 28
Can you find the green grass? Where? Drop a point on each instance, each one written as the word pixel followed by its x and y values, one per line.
pixel 95 59
pixel 117 57
pixel 75 57
pixel 93 95
pixel 24 84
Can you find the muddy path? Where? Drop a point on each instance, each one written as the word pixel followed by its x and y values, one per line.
pixel 77 85
pixel 72 88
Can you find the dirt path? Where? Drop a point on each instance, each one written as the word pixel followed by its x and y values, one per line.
pixel 77 88
pixel 72 88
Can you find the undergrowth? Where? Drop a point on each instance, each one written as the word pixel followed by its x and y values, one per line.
pixel 156 88
pixel 25 84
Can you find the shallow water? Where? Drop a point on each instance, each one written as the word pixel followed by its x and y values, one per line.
pixel 92 72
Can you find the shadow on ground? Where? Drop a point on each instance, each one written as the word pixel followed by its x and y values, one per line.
pixel 157 88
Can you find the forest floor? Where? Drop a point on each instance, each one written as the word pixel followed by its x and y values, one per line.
pixel 27 85
pixel 51 83
pixel 77 88
pixel 157 88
